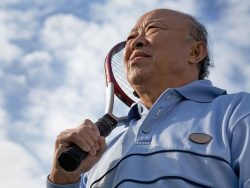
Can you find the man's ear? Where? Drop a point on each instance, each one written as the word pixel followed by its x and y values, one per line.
pixel 198 52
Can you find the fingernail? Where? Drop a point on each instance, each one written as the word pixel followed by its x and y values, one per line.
pixel 93 152
pixel 96 146
pixel 86 148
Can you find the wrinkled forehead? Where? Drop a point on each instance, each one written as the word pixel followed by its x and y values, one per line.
pixel 163 16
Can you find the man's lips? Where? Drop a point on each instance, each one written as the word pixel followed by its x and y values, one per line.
pixel 138 54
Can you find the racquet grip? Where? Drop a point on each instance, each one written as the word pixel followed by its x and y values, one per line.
pixel 71 158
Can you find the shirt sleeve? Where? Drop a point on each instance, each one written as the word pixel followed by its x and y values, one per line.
pixel 73 185
pixel 240 151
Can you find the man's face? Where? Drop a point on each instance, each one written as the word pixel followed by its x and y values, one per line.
pixel 157 49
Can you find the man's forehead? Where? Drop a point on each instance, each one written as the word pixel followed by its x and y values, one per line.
pixel 167 17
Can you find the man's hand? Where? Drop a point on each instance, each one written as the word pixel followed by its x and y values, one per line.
pixel 87 137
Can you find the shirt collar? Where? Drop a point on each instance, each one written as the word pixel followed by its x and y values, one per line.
pixel 136 111
pixel 200 91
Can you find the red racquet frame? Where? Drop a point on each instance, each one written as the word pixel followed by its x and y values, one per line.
pixel 110 77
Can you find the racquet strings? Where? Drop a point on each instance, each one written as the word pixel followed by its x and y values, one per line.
pixel 118 69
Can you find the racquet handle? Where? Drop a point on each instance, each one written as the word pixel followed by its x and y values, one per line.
pixel 71 158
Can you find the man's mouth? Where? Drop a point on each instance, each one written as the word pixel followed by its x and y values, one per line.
pixel 138 54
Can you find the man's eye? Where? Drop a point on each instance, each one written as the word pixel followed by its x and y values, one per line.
pixel 130 37
pixel 150 27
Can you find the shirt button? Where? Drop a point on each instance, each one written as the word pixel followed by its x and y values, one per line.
pixel 158 112
pixel 140 109
pixel 168 96
pixel 146 130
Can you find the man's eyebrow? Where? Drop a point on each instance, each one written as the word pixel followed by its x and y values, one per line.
pixel 155 20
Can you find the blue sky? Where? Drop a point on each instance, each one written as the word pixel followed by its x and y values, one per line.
pixel 51 70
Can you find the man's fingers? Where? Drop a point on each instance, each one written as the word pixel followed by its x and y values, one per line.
pixel 85 136
pixel 92 158
pixel 92 126
pixel 102 146
pixel 89 133
pixel 90 137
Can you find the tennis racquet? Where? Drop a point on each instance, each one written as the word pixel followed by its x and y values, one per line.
pixel 116 84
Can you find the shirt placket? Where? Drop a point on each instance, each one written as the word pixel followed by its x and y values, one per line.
pixel 148 124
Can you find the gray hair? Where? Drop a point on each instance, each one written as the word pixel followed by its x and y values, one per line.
pixel 199 32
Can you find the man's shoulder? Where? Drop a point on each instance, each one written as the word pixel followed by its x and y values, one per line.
pixel 235 97
pixel 236 104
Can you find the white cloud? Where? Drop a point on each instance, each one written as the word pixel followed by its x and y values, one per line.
pixel 12 82
pixel 230 42
pixel 237 30
pixel 18 168
pixel 15 25
pixel 62 31
pixel 9 52
pixel 5 3
pixel 37 66
pixel 227 58
pixel 4 117
pixel 19 24
pixel 35 57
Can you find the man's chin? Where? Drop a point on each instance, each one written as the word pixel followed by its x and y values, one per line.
pixel 137 79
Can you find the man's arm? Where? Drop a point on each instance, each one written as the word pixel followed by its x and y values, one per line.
pixel 73 185
pixel 240 150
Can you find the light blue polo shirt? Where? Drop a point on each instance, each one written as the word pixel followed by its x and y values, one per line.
pixel 193 136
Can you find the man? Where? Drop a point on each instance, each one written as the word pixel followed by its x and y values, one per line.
pixel 184 132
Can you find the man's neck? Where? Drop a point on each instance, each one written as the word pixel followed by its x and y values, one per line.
pixel 148 96
pixel 149 93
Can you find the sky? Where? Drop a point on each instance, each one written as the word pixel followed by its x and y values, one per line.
pixel 52 76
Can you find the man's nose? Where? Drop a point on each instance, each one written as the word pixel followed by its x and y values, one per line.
pixel 139 42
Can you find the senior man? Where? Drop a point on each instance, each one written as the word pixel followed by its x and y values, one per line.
pixel 183 133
